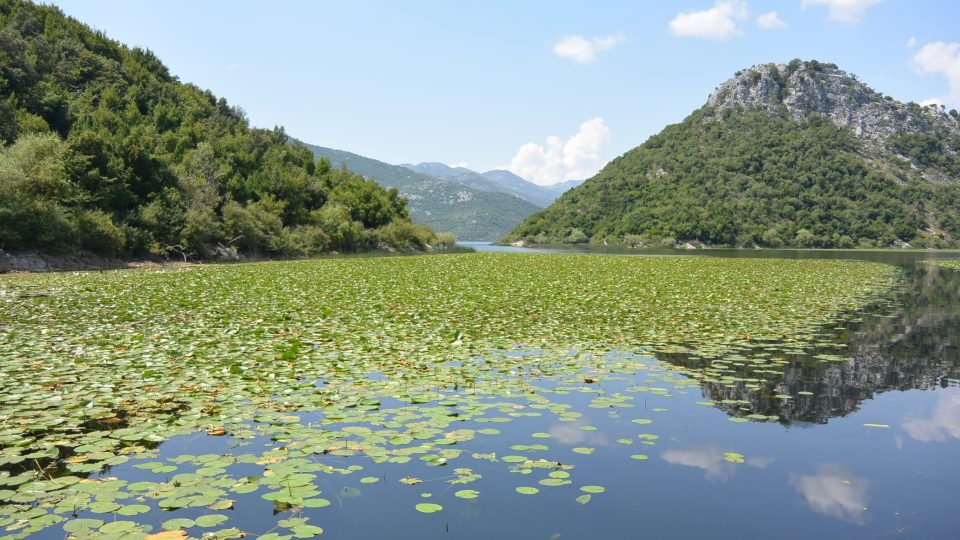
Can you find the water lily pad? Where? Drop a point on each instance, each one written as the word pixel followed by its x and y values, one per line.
pixel 116 527
pixel 78 525
pixel 210 520
pixel 306 531
pixel 176 524
pixel 428 508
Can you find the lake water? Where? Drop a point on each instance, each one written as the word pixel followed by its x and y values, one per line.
pixel 861 446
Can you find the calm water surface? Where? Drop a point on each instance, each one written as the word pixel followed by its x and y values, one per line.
pixel 863 447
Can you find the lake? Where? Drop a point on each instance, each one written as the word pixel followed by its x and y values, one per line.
pixel 848 430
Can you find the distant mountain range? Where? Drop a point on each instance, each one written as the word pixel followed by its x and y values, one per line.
pixel 498 181
pixel 471 205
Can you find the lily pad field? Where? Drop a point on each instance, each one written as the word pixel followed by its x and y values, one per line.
pixel 467 396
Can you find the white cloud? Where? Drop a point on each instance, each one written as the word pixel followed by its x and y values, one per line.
pixel 912 42
pixel 718 22
pixel 461 164
pixel 583 50
pixel 848 11
pixel 834 491
pixel 577 158
pixel 940 58
pixel 770 21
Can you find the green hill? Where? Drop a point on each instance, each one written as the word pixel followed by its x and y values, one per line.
pixel 801 155
pixel 445 205
pixel 107 151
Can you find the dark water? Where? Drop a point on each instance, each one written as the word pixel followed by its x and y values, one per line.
pixel 865 447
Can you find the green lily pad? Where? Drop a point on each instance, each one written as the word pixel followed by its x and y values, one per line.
pixel 210 520
pixel 428 508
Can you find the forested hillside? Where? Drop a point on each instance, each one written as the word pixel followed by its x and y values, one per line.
pixel 793 155
pixel 446 205
pixel 106 150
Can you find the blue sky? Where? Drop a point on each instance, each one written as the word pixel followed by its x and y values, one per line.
pixel 551 89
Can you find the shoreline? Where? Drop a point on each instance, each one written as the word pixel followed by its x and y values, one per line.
pixel 36 262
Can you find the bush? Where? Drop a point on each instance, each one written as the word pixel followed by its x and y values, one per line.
pixel 805 239
pixel 256 226
pixel 634 241
pixel 335 220
pixel 576 236
pixel 201 229
pixel 771 237
pixel 667 243
pixel 402 234
pixel 308 240
pixel 445 240
pixel 99 234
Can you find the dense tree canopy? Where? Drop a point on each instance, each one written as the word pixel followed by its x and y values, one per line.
pixel 749 177
pixel 105 150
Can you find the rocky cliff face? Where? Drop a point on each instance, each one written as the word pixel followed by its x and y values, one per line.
pixel 813 87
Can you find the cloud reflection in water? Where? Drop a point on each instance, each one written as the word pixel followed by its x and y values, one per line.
pixel 835 491
pixel 943 425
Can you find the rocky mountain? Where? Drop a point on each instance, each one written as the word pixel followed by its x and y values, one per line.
pixel 497 180
pixel 800 154
pixel 470 213
pixel 823 89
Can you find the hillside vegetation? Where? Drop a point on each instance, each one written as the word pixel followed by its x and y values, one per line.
pixel 105 150
pixel 445 204
pixel 744 170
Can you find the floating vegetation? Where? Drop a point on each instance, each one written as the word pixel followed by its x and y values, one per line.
pixel 953 264
pixel 347 364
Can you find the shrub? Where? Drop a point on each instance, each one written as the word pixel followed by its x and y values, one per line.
pixel 402 234
pixel 99 234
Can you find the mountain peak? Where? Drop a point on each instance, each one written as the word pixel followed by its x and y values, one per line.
pixel 805 87
pixel 762 164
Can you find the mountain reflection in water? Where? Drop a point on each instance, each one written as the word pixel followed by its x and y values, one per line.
pixel 910 346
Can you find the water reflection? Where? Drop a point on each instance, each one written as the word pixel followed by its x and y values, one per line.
pixel 911 346
pixel 835 491
pixel 573 433
pixel 943 425
pixel 717 467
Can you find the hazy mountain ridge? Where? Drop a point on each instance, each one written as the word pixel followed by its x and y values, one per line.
pixel 496 180
pixel 800 154
pixel 445 205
